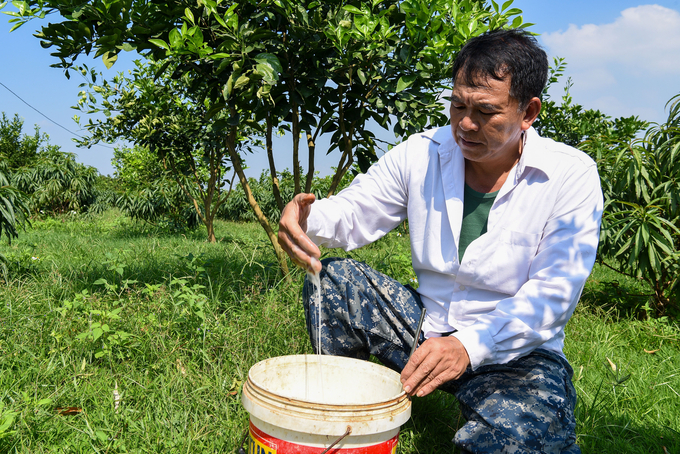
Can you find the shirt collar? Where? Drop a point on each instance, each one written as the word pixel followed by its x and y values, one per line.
pixel 444 139
pixel 534 156
pixel 533 153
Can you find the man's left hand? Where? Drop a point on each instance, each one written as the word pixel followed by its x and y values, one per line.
pixel 436 361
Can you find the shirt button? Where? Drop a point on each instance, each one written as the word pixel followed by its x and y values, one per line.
pixel 462 287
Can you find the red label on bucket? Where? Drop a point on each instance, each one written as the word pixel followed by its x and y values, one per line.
pixel 262 443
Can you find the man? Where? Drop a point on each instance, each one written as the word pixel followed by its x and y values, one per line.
pixel 504 229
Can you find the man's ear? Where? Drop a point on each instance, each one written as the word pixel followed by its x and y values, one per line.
pixel 531 113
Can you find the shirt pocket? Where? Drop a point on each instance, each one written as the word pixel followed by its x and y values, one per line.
pixel 503 263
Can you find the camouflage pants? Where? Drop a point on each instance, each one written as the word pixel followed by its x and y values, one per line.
pixel 524 406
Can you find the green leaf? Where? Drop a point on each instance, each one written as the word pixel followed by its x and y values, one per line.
pixel 175 38
pixel 7 421
pixel 270 60
pixel 189 15
pixel 645 233
pixel 406 81
pixel 353 10
pixel 362 76
pixel 241 82
pixel 96 333
pixel 127 47
pixel 228 87
pixel 219 55
pixel 160 43
pixel 653 262
pixel 506 5
pixel 21 6
pixel 109 59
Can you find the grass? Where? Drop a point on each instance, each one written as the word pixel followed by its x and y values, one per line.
pixel 118 337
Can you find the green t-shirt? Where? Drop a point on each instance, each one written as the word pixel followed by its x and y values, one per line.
pixel 476 207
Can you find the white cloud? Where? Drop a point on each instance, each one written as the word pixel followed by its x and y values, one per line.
pixel 630 65
pixel 646 38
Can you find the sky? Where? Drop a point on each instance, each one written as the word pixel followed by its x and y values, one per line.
pixel 623 57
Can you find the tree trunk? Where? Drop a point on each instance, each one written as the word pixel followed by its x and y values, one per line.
pixel 210 226
pixel 272 164
pixel 310 171
pixel 262 219
pixel 296 147
pixel 347 157
pixel 209 217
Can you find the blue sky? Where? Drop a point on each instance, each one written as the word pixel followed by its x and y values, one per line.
pixel 623 57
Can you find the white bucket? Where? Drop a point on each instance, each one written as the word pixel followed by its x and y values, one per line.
pixel 304 403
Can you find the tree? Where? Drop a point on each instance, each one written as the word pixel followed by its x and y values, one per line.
pixel 318 67
pixel 641 225
pixel 169 114
pixel 576 126
pixel 147 191
pixel 57 184
pixel 51 179
pixel 640 179
pixel 16 148
pixel 13 214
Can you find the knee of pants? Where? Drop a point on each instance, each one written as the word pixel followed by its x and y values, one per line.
pixel 524 406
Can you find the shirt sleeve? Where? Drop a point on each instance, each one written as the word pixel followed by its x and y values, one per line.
pixel 371 206
pixel 539 311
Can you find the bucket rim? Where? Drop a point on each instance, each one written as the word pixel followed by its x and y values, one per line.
pixel 292 412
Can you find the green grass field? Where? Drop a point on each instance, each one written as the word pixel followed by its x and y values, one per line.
pixel 119 337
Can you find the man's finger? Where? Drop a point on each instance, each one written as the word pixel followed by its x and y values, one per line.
pixel 292 237
pixel 418 369
pixel 437 361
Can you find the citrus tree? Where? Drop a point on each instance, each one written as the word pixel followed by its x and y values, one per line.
pixel 169 114
pixel 307 66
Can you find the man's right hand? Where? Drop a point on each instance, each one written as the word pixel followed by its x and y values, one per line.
pixel 292 236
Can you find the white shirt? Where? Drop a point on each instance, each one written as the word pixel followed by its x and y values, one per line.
pixel 518 284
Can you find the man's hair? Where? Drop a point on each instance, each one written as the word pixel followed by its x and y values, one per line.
pixel 501 53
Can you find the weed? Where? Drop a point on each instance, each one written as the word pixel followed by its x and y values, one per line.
pixel 6 421
pixel 100 334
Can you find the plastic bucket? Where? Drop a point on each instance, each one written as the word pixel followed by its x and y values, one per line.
pixel 305 403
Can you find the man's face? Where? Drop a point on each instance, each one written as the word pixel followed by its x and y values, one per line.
pixel 486 122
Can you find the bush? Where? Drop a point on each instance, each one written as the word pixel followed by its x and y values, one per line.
pixel 53 181
pixel 57 184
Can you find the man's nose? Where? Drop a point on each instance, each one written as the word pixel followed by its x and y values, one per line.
pixel 466 123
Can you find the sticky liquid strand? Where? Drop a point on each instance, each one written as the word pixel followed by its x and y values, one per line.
pixel 316 282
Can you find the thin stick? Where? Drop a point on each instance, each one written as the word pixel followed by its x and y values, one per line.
pixel 349 431
pixel 417 335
